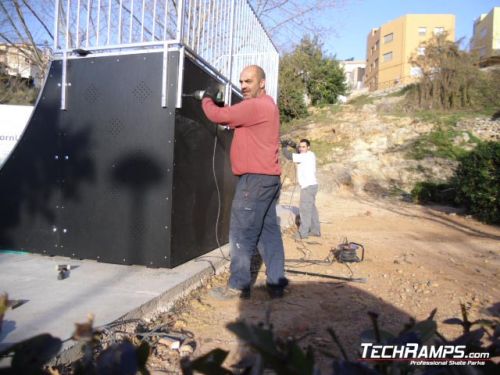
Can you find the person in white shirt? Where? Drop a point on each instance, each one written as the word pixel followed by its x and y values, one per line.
pixel 306 175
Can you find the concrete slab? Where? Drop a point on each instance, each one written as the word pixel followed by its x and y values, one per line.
pixel 109 291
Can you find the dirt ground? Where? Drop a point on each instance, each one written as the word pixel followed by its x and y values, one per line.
pixel 417 258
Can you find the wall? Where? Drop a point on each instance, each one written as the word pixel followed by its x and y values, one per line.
pixel 485 40
pixel 372 58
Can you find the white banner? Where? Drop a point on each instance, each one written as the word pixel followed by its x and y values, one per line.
pixel 13 121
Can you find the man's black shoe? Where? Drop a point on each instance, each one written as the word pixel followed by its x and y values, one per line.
pixel 277 290
pixel 227 293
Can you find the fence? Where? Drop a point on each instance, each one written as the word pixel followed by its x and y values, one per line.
pixel 225 35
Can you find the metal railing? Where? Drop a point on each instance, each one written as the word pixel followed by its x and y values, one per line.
pixel 225 34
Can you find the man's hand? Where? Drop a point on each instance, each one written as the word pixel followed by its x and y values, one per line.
pixel 288 142
pixel 213 92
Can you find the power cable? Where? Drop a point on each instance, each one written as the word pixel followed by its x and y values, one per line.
pixel 355 279
pixel 219 203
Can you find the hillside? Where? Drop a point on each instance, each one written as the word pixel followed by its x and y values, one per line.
pixel 372 146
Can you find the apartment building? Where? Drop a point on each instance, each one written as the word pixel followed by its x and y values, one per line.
pixel 390 47
pixel 486 37
pixel 14 63
pixel 354 71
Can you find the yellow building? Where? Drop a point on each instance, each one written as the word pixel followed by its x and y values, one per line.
pixel 486 37
pixel 390 47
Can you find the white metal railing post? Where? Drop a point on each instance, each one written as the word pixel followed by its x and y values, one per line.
pixel 131 20
pixel 164 76
pixel 88 24
pixel 230 74
pixel 196 44
pixel 56 27
pixel 98 21
pixel 109 23
pixel 120 12
pixel 65 59
pixel 180 21
pixel 142 21
pixel 209 32
pixel 165 19
pixel 188 31
pixel 180 77
pixel 179 37
pixel 77 42
pixel 153 32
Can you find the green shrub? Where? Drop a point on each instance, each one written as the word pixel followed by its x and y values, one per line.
pixel 425 192
pixel 440 143
pixel 16 90
pixel 478 182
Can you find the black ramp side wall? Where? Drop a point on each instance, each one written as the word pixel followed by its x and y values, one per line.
pixel 196 201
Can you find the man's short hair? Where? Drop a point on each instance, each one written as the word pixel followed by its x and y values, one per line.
pixel 260 72
pixel 306 141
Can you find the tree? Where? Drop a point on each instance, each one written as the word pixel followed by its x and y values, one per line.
pixel 24 36
pixel 307 72
pixel 447 74
pixel 327 82
pixel 287 21
pixel 291 91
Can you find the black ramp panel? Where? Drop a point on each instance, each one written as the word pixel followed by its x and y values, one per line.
pixel 121 213
pixel 116 177
pixel 196 202
pixel 29 179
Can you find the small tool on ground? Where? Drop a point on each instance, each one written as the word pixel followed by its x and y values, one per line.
pixel 63 271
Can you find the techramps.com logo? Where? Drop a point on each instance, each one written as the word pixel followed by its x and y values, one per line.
pixel 423 355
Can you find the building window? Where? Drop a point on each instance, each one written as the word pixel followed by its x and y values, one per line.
pixel 483 32
pixel 387 56
pixel 482 52
pixel 438 30
pixel 415 71
pixel 388 38
pixel 421 51
pixel 422 30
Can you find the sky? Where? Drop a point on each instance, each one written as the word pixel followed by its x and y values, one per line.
pixel 355 18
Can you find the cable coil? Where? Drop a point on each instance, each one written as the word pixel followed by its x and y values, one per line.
pixel 346 252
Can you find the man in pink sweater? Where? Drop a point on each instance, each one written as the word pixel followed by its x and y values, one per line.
pixel 254 158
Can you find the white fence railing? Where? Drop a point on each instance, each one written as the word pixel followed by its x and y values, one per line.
pixel 226 34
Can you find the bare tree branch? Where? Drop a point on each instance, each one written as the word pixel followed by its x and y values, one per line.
pixel 34 49
pixel 13 24
pixel 35 14
pixel 287 21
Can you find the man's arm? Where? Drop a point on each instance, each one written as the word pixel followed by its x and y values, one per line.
pixel 284 148
pixel 244 113
pixel 286 152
